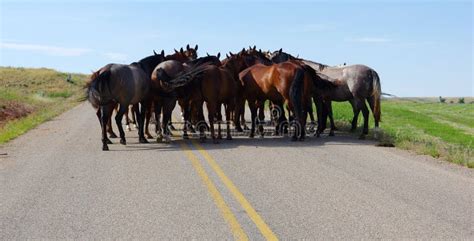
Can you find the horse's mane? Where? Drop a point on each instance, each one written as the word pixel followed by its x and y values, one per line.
pixel 322 81
pixel 207 59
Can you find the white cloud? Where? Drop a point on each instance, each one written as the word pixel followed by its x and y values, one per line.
pixel 116 57
pixel 46 49
pixel 371 40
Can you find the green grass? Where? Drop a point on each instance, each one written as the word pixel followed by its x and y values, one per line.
pixel 436 129
pixel 46 91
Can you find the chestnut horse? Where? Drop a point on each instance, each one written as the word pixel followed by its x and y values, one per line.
pixel 125 85
pixel 285 83
pixel 355 83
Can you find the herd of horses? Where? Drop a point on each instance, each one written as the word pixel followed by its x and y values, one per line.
pixel 156 83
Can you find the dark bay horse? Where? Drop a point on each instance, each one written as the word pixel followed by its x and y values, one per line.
pixel 284 83
pixel 125 85
pixel 190 95
pixel 355 83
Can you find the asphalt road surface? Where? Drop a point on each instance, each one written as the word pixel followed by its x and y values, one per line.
pixel 56 182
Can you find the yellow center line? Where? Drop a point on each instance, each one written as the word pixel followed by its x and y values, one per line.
pixel 254 216
pixel 229 217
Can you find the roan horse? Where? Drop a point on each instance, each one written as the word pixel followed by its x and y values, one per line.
pixel 125 85
pixel 354 83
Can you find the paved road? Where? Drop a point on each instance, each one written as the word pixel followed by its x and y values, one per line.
pixel 56 182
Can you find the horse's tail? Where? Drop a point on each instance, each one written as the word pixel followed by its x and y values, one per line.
pixel 95 87
pixel 376 93
pixel 296 92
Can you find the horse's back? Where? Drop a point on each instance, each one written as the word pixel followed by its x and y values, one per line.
pixel 131 83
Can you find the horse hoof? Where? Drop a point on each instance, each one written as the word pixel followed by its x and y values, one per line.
pixel 239 129
pixel 112 135
pixel 159 140
pixel 246 128
pixel 229 138
pixel 105 148
pixel 143 140
pixel 123 142
pixel 149 136
pixel 128 128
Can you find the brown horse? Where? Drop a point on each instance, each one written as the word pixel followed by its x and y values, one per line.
pixel 193 92
pixel 284 83
pixel 163 102
pixel 355 83
pixel 125 85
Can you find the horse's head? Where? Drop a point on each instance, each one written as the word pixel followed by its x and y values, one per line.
pixel 191 52
pixel 280 56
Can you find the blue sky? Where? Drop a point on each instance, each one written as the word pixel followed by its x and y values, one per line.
pixel 419 48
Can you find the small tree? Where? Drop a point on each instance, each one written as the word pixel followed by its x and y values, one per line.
pixel 461 100
pixel 442 100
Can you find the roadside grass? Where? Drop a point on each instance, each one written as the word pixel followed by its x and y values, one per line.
pixel 440 130
pixel 46 91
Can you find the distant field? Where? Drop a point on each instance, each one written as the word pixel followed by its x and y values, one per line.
pixel 29 97
pixel 443 130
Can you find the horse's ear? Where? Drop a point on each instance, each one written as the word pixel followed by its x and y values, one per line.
pixel 207 54
pixel 231 54
pixel 243 50
pixel 218 55
pixel 196 48
pixel 181 50
pixel 154 52
pixel 260 50
pixel 226 55
pixel 176 51
pixel 254 47
pixel 281 50
pixel 187 47
pixel 162 52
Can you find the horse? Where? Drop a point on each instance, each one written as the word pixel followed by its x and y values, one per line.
pixel 235 63
pixel 125 85
pixel 355 83
pixel 161 100
pixel 284 83
pixel 190 95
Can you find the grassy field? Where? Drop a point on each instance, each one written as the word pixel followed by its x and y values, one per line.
pixel 444 130
pixel 29 97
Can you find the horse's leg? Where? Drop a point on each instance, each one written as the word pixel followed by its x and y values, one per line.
pixel 167 113
pixel 219 121
pixel 228 110
pixel 239 109
pixel 365 113
pixel 147 123
pixel 331 119
pixel 356 110
pixel 105 117
pixel 118 121
pixel 303 118
pixel 157 106
pixel 140 112
pixel 242 117
pixel 127 119
pixel 98 113
pixel 371 100
pixel 211 108
pixel 261 117
pixel 134 115
pixel 311 116
pixel 253 112
pixel 320 108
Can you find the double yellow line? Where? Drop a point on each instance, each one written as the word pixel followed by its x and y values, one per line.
pixel 237 231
